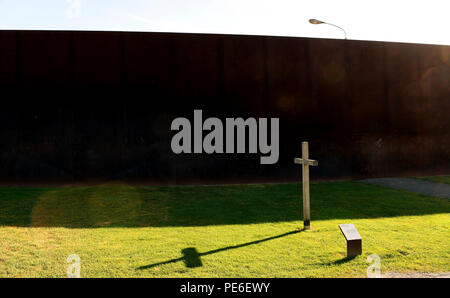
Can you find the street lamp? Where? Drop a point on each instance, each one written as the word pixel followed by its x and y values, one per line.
pixel 317 22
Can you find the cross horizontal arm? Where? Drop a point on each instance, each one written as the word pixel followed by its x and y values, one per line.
pixel 309 162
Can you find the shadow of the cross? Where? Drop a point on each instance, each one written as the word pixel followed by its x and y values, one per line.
pixel 192 259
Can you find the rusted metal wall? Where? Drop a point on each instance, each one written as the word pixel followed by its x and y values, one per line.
pixel 80 105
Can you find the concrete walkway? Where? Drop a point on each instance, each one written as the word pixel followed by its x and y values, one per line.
pixel 416 275
pixel 423 187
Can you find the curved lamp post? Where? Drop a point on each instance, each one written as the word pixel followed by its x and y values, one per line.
pixel 317 22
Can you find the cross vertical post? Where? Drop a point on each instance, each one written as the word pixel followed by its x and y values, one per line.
pixel 306 162
pixel 305 186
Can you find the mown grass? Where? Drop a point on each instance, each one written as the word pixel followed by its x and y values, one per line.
pixel 439 179
pixel 218 231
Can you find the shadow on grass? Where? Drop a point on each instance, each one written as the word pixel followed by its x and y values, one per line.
pixel 192 258
pixel 152 206
pixel 341 261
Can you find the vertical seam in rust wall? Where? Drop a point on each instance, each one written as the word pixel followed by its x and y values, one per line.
pixel 266 77
pixel 122 86
pixel 71 61
pixel 71 89
pixel 309 75
pixel 421 96
pixel 220 60
pixel 18 60
pixel 386 90
pixel 420 129
pixel 173 69
pixel 349 83
pixel 18 81
pixel 123 77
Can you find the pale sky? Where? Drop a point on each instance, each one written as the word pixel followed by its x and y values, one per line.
pixel 384 20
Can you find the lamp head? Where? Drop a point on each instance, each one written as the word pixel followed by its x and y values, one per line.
pixel 315 22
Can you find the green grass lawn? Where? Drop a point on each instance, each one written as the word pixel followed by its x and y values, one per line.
pixel 218 231
pixel 439 179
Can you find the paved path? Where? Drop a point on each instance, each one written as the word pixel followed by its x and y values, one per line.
pixel 423 187
pixel 416 275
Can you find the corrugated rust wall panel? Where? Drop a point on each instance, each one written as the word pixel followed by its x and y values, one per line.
pixel 80 105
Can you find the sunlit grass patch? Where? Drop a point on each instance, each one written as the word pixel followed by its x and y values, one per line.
pixel 218 231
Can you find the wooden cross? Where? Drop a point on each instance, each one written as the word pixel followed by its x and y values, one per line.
pixel 305 173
